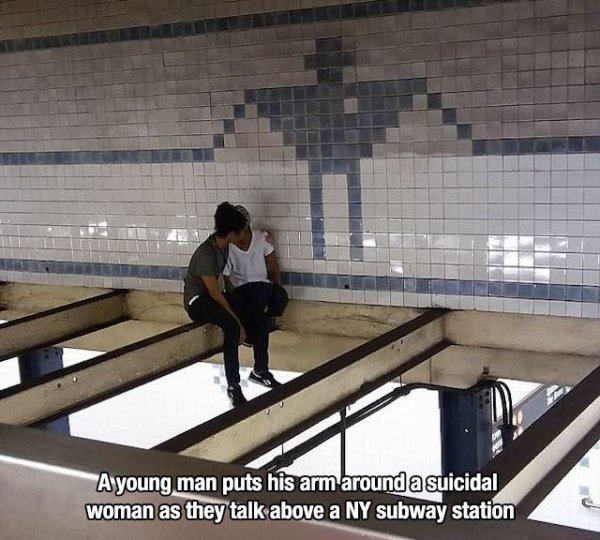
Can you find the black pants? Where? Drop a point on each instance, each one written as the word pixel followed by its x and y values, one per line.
pixel 268 298
pixel 256 324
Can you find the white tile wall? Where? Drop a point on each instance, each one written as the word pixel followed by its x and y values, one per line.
pixel 430 208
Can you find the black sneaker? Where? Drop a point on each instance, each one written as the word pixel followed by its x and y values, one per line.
pixel 266 379
pixel 235 395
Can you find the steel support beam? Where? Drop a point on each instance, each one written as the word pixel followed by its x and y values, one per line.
pixel 466 428
pixel 49 327
pixel 543 488
pixel 338 406
pixel 241 431
pixel 37 364
pixel 79 386
pixel 544 445
pixel 62 472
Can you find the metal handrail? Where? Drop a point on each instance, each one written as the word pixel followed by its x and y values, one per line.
pixel 590 504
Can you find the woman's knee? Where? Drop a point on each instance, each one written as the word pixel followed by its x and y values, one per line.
pixel 282 294
pixel 279 300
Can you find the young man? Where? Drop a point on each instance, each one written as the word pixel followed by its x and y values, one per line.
pixel 205 301
pixel 253 271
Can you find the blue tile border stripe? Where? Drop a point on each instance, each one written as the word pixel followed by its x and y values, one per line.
pixel 493 289
pixel 355 10
pixel 75 157
pixel 536 145
pixel 505 147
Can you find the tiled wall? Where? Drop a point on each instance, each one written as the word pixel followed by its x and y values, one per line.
pixel 404 152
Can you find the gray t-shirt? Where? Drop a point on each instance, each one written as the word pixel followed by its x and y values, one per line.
pixel 207 260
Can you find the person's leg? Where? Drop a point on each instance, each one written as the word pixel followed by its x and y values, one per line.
pixel 278 301
pixel 261 345
pixel 208 311
pixel 267 298
pixel 255 324
pixel 257 328
pixel 257 294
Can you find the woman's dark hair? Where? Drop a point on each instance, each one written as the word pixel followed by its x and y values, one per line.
pixel 228 219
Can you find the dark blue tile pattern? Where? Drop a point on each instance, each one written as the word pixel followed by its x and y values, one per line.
pixel 356 10
pixel 533 145
pixel 494 289
pixel 74 157
pixel 315 119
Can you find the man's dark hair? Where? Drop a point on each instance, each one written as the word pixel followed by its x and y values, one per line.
pixel 228 219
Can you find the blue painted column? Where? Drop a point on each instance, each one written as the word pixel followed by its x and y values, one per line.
pixel 35 364
pixel 466 426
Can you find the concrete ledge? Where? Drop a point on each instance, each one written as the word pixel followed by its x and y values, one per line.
pixel 536 333
pixel 460 367
pixel 31 298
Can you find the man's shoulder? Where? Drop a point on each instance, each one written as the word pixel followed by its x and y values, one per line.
pixel 204 245
pixel 205 249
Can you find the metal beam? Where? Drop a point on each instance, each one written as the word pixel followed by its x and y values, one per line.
pixel 339 406
pixel 290 455
pixel 62 472
pixel 466 429
pixel 236 433
pixel 37 364
pixel 526 462
pixel 49 327
pixel 543 488
pixel 99 378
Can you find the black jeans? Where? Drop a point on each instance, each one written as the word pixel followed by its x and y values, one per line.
pixel 256 324
pixel 268 298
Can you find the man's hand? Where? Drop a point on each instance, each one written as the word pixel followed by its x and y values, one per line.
pixel 268 237
pixel 212 286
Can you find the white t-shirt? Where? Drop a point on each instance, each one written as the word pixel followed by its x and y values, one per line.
pixel 248 266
